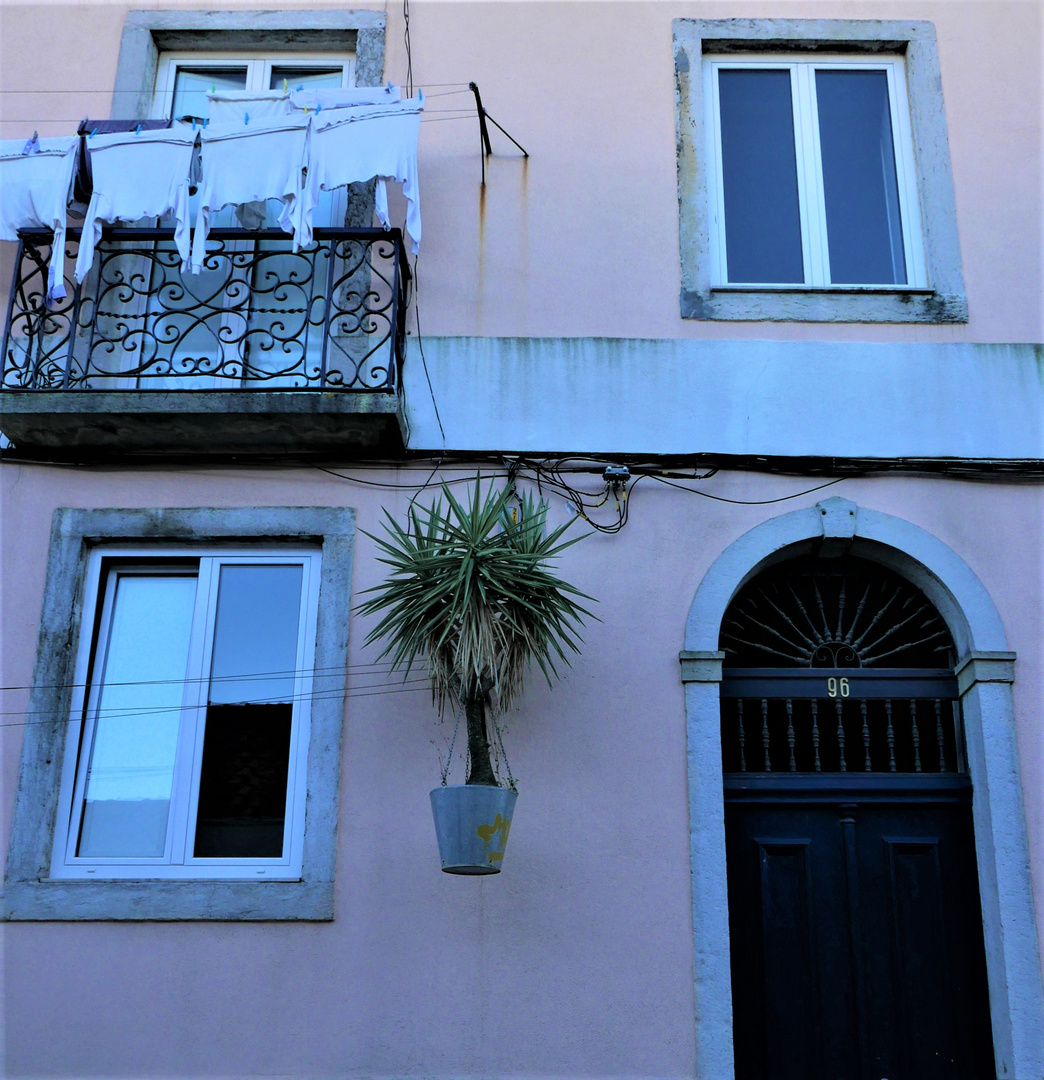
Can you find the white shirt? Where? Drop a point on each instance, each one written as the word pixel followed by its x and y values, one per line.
pixel 34 193
pixel 357 144
pixel 246 107
pixel 136 175
pixel 251 163
pixel 329 97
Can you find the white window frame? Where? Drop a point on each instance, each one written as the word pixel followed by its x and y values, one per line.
pixel 178 863
pixel 811 201
pixel 259 70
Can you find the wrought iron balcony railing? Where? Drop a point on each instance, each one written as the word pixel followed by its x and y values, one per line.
pixel 259 316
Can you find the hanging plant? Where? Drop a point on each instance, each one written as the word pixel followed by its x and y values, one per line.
pixel 471 595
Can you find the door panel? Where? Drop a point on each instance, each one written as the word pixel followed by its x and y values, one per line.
pixel 856 940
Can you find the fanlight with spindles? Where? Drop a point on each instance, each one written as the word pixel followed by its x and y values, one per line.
pixel 833 613
pixel 837 665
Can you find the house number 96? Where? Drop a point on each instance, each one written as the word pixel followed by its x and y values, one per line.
pixel 837 685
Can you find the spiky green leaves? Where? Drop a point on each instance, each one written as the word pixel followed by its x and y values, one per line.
pixel 470 591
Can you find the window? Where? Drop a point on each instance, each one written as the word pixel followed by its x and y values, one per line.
pixel 812 179
pixel 180 652
pixel 190 717
pixel 184 79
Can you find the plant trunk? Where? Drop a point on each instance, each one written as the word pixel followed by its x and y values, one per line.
pixel 481 771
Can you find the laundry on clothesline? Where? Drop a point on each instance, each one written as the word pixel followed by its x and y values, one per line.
pixel 36 188
pixel 143 169
pixel 248 164
pixel 138 174
pixel 358 144
pixel 83 186
pixel 241 108
pixel 320 98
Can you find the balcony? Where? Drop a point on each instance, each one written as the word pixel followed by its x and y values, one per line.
pixel 266 351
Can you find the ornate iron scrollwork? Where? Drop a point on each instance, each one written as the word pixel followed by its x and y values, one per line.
pixel 833 613
pixel 330 316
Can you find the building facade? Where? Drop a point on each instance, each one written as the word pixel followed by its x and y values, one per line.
pixel 775 265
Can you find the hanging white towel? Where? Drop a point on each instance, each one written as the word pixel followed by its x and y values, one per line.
pixel 313 98
pixel 136 175
pixel 241 108
pixel 252 163
pixel 358 144
pixel 34 192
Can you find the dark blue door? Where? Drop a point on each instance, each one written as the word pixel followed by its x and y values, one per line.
pixel 855 926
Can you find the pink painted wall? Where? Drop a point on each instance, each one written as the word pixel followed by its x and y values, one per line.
pixel 577 960
pixel 583 240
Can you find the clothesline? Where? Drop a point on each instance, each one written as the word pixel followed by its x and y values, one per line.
pixel 292 149
pixel 111 92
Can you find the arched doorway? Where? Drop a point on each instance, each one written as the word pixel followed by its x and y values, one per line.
pixel 985 670
pixel 855 924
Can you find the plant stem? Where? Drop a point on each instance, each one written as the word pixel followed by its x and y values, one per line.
pixel 481 771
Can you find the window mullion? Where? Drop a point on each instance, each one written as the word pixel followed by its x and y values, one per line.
pixel 909 202
pixel 304 688
pixel 715 184
pixel 208 603
pixel 256 75
pixel 813 206
pixel 186 730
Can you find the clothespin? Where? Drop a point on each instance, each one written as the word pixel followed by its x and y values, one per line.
pixel 193 123
pixel 301 87
pixel 318 108
pixel 206 121
pixel 285 90
pixel 33 145
pixel 306 110
pixel 246 118
pixel 137 130
pixel 94 131
pixel 213 88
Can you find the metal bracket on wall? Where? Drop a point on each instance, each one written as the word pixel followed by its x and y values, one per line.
pixel 486 148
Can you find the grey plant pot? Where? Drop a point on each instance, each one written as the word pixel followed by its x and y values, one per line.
pixel 472 822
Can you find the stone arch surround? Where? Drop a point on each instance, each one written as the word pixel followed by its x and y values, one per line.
pixel 985 671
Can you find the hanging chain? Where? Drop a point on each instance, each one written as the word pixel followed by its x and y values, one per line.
pixel 503 752
pixel 449 756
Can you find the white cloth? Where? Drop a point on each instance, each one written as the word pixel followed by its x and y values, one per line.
pixel 313 98
pixel 251 163
pixel 358 144
pixel 136 175
pixel 34 192
pixel 241 108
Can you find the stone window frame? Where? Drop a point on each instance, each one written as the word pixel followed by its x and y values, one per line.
pixel 30 894
pixel 944 301
pixel 148 33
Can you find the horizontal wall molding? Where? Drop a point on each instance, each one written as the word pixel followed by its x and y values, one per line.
pixel 676 396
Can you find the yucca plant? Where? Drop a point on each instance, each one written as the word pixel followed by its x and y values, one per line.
pixel 471 595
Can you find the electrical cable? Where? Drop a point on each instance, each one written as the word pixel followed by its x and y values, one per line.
pixel 322 696
pixel 749 502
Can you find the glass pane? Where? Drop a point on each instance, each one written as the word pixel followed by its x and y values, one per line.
pixel 859 182
pixel 759 168
pixel 246 747
pixel 311 78
pixel 242 785
pixel 255 635
pixel 139 709
pixel 191 86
